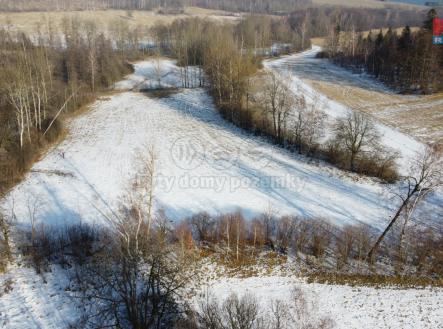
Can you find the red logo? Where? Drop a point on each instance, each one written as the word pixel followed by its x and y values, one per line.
pixel 438 26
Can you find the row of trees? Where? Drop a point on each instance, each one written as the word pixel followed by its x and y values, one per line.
pixel 47 77
pixel 229 55
pixel 321 21
pixel 256 6
pixel 134 273
pixel 248 313
pixel 297 124
pixel 319 245
pixel 409 61
pixel 135 276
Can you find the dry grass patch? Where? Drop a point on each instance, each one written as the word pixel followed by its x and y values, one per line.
pixel 377 281
pixel 30 21
pixel 319 41
pixel 418 116
pixel 248 265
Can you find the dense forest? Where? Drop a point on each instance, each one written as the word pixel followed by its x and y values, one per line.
pixel 42 81
pixel 408 62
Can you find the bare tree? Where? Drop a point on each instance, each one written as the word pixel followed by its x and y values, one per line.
pixel 309 123
pixel 426 177
pixel 241 313
pixel 203 225
pixel 5 247
pixel 234 313
pixel 18 96
pixel 278 101
pixel 345 245
pixel 356 134
pixel 91 37
pixel 158 70
pixel 135 280
pixel 285 230
pixel 147 158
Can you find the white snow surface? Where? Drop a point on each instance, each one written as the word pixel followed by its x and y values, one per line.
pixel 48 301
pixel 204 164
pixel 38 301
pixel 349 307
pixel 158 73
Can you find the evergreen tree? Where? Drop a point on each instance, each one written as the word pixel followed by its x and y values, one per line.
pixel 429 21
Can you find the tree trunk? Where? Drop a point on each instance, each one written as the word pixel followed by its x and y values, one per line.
pixel 381 237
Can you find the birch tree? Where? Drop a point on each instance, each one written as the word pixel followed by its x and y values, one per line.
pixel 425 177
pixel 278 102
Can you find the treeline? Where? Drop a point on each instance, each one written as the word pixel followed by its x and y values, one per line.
pixel 134 275
pixel 253 6
pixel 321 21
pixel 317 243
pixel 408 62
pixel 44 79
pixel 256 6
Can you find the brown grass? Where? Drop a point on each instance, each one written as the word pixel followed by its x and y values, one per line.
pixel 319 41
pixel 30 21
pixel 377 281
pixel 418 116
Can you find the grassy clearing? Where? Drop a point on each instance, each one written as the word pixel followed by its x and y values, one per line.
pixel 29 21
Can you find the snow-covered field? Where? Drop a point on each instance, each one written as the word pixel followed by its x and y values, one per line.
pixel 49 303
pixel 37 301
pixel 203 164
pixel 349 307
